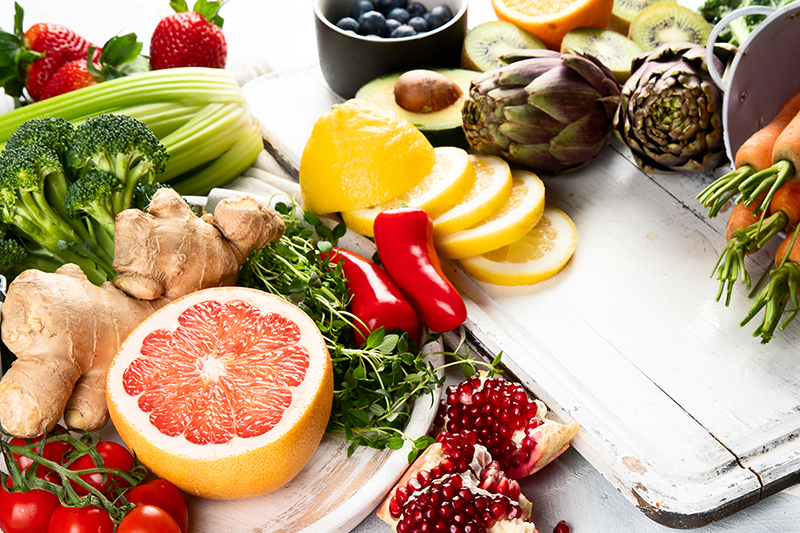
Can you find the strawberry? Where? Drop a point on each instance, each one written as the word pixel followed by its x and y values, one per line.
pixel 189 38
pixel 118 58
pixel 28 60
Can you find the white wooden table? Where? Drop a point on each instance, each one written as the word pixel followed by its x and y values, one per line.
pixel 282 33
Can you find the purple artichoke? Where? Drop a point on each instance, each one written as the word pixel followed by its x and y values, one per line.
pixel 545 110
pixel 671 110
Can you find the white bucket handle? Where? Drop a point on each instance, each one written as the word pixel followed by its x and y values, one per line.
pixel 712 39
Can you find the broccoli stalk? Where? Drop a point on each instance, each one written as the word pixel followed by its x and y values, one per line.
pixel 15 257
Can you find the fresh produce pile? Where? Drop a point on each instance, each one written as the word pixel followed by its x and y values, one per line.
pixel 768 202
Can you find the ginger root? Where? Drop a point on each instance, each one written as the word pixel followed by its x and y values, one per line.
pixel 65 331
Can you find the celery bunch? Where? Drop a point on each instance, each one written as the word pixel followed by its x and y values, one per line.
pixel 198 114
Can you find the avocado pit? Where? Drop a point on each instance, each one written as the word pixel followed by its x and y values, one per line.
pixel 425 91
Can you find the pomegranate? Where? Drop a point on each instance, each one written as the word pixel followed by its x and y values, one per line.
pixel 454 486
pixel 507 422
pixel 561 527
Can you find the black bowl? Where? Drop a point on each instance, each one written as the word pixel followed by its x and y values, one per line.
pixel 348 60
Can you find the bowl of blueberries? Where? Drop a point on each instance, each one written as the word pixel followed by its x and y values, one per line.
pixel 360 40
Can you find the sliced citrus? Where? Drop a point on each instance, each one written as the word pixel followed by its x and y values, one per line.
pixel 490 190
pixel 359 155
pixel 225 392
pixel 539 255
pixel 444 186
pixel 518 214
pixel 550 20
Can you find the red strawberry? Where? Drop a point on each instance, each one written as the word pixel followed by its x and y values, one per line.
pixel 71 76
pixel 30 59
pixel 116 59
pixel 189 38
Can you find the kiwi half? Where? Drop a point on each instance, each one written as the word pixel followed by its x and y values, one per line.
pixel 663 23
pixel 613 50
pixel 624 11
pixel 485 43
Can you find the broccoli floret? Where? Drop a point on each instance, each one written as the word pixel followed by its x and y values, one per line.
pixel 54 133
pixel 26 174
pixel 121 145
pixel 739 29
pixel 92 195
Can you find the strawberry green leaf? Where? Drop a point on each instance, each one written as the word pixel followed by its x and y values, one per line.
pixel 179 6
pixel 210 10
pixel 19 13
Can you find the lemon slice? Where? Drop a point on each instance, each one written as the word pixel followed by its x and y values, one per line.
pixel 539 255
pixel 516 217
pixel 491 188
pixel 448 181
pixel 360 155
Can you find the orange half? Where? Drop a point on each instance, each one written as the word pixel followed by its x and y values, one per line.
pixel 550 20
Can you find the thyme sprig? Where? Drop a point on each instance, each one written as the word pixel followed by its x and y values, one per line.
pixel 375 385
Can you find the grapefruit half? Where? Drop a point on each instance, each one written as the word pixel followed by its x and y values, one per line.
pixel 225 392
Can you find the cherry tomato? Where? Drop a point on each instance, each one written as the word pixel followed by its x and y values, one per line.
pixel 26 512
pixel 148 519
pixel 114 456
pixel 162 494
pixel 80 520
pixel 53 451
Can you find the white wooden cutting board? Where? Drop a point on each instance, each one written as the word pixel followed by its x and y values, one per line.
pixel 683 410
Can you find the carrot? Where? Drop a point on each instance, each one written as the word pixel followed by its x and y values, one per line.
pixel 753 156
pixel 784 282
pixel 731 260
pixel 757 150
pixel 785 168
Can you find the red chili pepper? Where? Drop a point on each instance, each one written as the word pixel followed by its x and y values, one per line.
pixel 375 297
pixel 404 237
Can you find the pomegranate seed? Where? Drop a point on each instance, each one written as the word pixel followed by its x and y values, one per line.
pixel 561 527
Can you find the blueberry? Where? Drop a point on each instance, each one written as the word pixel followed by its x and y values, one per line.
pixel 360 7
pixel 372 23
pixel 403 31
pixel 384 6
pixel 415 9
pixel 392 24
pixel 347 23
pixel 400 14
pixel 419 24
pixel 438 16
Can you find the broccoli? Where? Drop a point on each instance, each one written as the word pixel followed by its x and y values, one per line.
pixel 737 31
pixel 54 133
pixel 15 257
pixel 27 174
pixel 92 195
pixel 120 145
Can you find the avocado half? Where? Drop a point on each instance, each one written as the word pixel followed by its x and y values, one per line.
pixel 442 128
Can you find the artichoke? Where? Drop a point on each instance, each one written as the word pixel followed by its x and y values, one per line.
pixel 544 110
pixel 671 110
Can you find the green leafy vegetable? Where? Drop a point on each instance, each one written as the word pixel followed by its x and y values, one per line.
pixel 737 31
pixel 375 385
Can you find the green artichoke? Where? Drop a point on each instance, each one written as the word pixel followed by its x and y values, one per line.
pixel 671 110
pixel 545 110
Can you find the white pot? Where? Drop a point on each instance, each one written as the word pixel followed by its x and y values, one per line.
pixel 764 73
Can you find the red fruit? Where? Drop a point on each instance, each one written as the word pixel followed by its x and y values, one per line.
pixel 511 425
pixel 561 527
pixel 71 76
pixel 455 486
pixel 59 45
pixel 187 39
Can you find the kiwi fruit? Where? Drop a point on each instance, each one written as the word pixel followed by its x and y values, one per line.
pixel 613 50
pixel 664 23
pixel 486 42
pixel 624 11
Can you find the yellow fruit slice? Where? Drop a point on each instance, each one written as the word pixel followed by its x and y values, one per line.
pixel 550 20
pixel 490 190
pixel 539 255
pixel 359 155
pixel 447 183
pixel 516 217
pixel 225 392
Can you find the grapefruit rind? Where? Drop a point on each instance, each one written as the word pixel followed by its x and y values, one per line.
pixel 240 468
